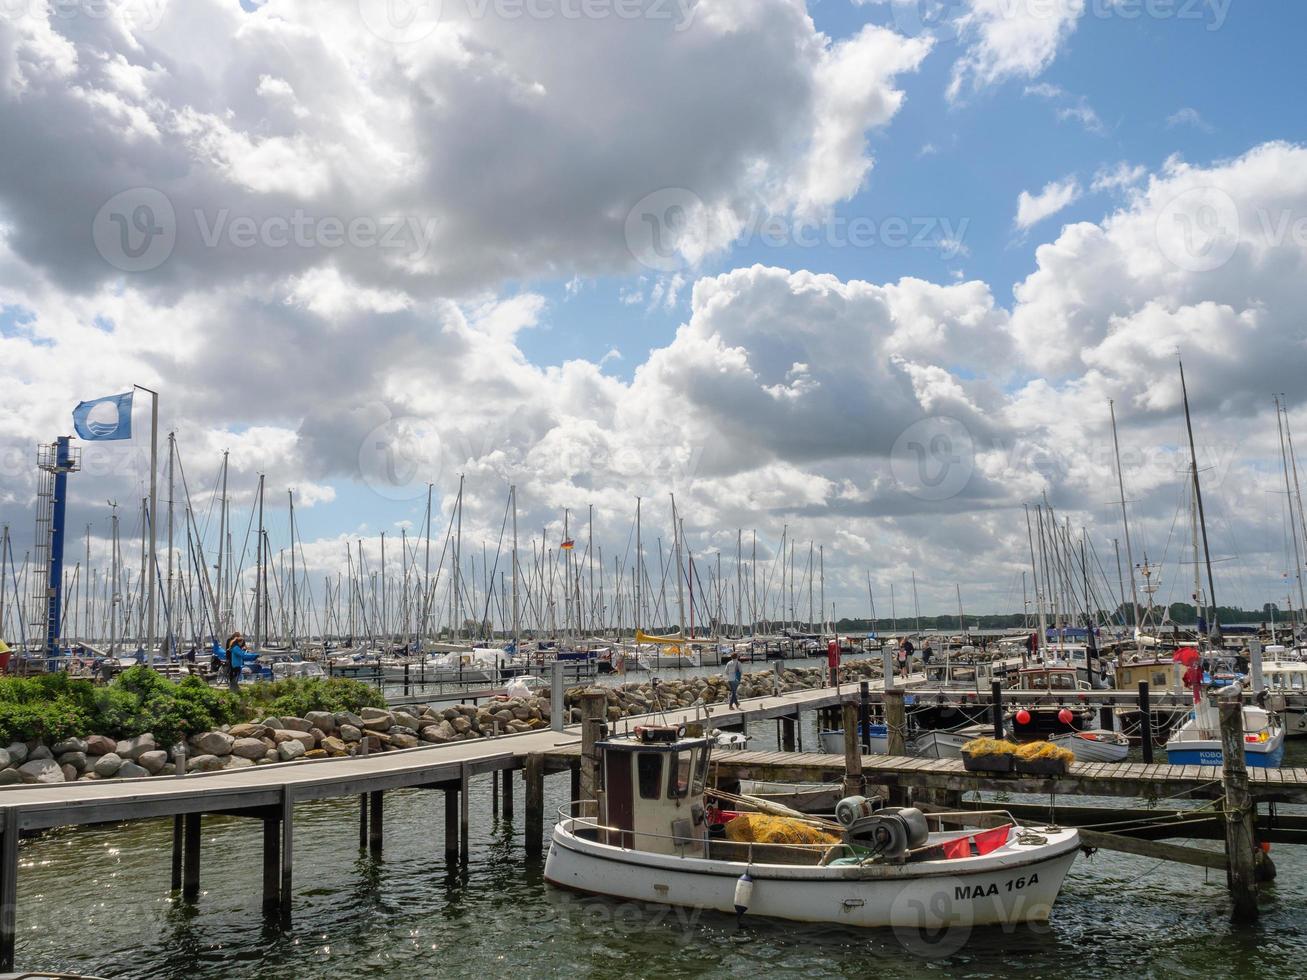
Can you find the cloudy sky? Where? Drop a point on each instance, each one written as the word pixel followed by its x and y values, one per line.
pixel 867 269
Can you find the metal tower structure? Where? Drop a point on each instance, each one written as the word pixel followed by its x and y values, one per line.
pixel 55 461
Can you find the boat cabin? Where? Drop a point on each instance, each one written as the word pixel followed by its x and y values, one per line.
pixel 1055 679
pixel 1285 676
pixel 1161 674
pixel 653 790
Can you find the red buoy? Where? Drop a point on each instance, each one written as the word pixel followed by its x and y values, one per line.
pixel 1023 717
pixel 1065 716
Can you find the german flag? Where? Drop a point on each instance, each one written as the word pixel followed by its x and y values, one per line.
pixel 568 545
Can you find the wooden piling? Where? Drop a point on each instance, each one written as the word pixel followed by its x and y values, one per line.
pixel 376 828
pixel 191 858
pixel 896 721
pixel 272 866
pixel 506 793
pixel 1146 723
pixel 178 833
pixel 864 716
pixel 287 852
pixel 451 823
pixel 534 774
pixel 594 713
pixel 464 823
pixel 996 707
pixel 1240 830
pixel 9 889
pixel 363 821
pixel 854 784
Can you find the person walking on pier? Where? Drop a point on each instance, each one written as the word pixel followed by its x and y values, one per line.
pixel 905 657
pixel 733 673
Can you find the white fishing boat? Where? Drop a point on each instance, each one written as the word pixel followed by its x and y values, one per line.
pixel 1094 745
pixel 648 840
pixel 1285 678
pixel 1197 742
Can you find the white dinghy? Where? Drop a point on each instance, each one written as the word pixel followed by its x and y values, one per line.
pixel 647 839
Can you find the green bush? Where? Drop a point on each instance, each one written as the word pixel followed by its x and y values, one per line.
pixel 296 696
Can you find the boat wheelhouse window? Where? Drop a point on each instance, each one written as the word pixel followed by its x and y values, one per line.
pixel 679 783
pixel 700 773
pixel 649 774
pixel 1159 680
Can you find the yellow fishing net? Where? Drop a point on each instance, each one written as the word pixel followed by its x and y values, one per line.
pixel 760 828
pixel 1044 750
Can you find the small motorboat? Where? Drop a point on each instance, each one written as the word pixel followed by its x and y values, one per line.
pixel 652 838
pixel 1094 745
pixel 1197 742
pixel 874 735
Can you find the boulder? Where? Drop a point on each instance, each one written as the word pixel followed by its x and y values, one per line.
pixel 270 756
pixel 236 762
pixel 374 741
pixel 204 763
pixel 449 714
pixel 461 724
pixel 332 745
pixel 283 735
pixel 348 718
pixel 248 731
pixel 435 734
pixel 10 776
pixel 40 752
pixel 70 773
pixel 377 720
pixel 213 743
pixel 65 745
pixel 74 758
pixel 248 748
pixel 17 753
pixel 315 754
pixel 134 748
pixel 406 720
pixel 100 745
pixel 403 740
pixel 153 762
pixel 107 765
pixel 41 771
pixel 350 733
pixel 130 770
pixel 523 713
pixel 323 720
pixel 295 724
pixel 290 750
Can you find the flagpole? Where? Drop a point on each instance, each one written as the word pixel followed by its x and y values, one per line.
pixel 154 499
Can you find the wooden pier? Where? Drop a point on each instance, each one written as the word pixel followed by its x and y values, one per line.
pixel 269 793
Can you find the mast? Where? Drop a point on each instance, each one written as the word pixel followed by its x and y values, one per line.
pixel 739 582
pixel 260 580
pixel 426 572
pixel 1297 489
pixel 676 548
pixel 113 587
pixel 1293 526
pixel 517 631
pixel 1125 522
pixel 170 607
pixel 821 570
pixel 639 562
pixel 1215 627
pixel 1034 571
pixel 916 606
pixel 222 544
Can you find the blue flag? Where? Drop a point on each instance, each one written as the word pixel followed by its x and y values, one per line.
pixel 104 418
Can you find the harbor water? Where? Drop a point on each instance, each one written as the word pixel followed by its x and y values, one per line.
pixel 96 901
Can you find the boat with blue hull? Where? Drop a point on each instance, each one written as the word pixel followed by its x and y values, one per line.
pixel 1197 742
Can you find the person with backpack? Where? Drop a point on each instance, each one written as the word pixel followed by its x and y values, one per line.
pixel 733 674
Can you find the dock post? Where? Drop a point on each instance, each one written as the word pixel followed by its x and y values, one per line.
pixel 1146 722
pixel 1106 717
pixel 451 823
pixel 375 824
pixel 9 889
pixel 287 852
pixel 1240 831
pixel 788 725
pixel 534 774
pixel 996 707
pixel 494 795
pixel 506 793
pixel 363 821
pixel 854 785
pixel 178 833
pixel 556 707
pixel 896 721
pixel 864 716
pixel 191 858
pixel 464 824
pixel 594 711
pixel 272 866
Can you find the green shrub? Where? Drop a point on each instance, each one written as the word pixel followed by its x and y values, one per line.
pixel 52 706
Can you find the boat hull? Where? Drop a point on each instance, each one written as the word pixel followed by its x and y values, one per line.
pixel 1088 749
pixel 1007 888
pixel 1205 754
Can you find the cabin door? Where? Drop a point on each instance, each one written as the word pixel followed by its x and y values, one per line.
pixel 618 793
